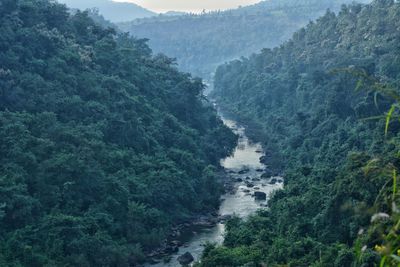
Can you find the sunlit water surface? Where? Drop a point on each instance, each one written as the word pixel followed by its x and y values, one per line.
pixel 241 203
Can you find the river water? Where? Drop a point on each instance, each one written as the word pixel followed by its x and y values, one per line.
pixel 239 202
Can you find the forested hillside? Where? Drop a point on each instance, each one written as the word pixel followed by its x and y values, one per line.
pixel 202 42
pixel 102 145
pixel 111 10
pixel 340 202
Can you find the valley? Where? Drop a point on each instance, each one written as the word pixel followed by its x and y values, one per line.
pixel 265 135
pixel 247 190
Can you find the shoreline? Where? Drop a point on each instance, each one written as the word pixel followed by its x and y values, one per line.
pixel 244 176
pixel 181 233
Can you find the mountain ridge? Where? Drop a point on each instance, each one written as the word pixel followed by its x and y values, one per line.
pixel 319 103
pixel 200 42
pixel 111 10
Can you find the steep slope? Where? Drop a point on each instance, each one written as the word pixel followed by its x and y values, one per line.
pixel 318 131
pixel 202 42
pixel 102 146
pixel 113 11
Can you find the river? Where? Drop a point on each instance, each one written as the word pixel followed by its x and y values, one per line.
pixel 241 201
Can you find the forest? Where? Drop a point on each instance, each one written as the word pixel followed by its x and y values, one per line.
pixel 107 146
pixel 104 146
pixel 325 106
pixel 111 10
pixel 201 42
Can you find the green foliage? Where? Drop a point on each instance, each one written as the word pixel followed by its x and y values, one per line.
pixel 202 42
pixel 238 256
pixel 338 165
pixel 103 146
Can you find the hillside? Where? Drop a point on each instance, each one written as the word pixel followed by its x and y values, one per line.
pixel 339 205
pixel 202 42
pixel 103 146
pixel 113 11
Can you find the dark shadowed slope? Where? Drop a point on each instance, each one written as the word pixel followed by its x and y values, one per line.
pixel 102 145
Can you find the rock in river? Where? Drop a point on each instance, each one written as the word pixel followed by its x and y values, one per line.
pixel 266 174
pixel 248 184
pixel 185 259
pixel 273 181
pixel 243 171
pixel 260 195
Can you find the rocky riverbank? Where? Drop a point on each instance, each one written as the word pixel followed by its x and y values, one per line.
pixel 248 182
pixel 182 232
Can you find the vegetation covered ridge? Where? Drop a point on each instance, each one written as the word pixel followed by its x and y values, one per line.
pixel 103 146
pixel 201 42
pixel 339 205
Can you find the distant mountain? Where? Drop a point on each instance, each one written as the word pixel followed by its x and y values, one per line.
pixel 113 11
pixel 174 13
pixel 202 42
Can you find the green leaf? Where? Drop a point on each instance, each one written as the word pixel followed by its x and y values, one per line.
pixel 388 118
pixel 376 100
pixel 382 261
pixel 360 84
pixel 395 257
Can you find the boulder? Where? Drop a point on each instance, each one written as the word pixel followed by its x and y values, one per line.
pixel 239 180
pixel 186 259
pixel 259 170
pixel 243 171
pixel 267 174
pixel 248 184
pixel 273 181
pixel 260 195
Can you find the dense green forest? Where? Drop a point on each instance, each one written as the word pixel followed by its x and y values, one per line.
pixel 103 146
pixel 202 42
pixel 318 104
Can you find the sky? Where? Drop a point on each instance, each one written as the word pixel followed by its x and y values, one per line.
pixel 190 5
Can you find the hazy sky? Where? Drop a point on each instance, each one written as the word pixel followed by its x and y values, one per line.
pixel 190 5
